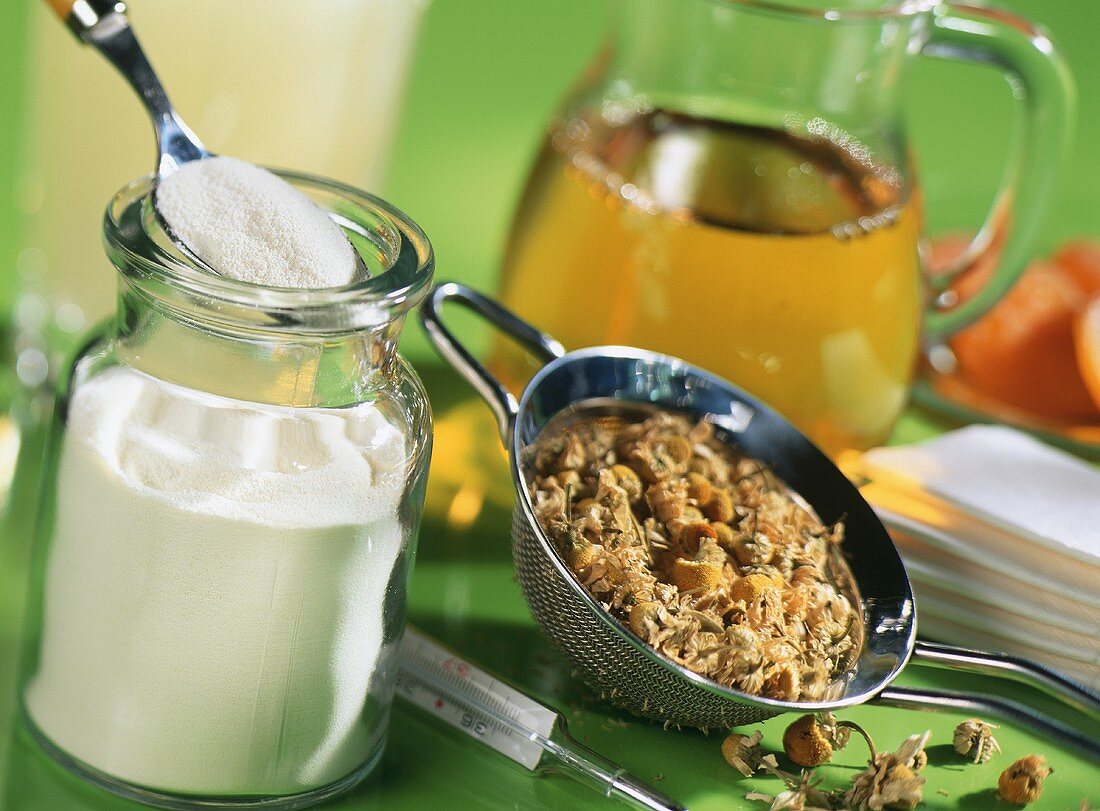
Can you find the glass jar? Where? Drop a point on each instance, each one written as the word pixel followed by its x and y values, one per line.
pixel 234 481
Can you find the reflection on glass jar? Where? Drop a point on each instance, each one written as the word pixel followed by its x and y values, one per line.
pixel 235 476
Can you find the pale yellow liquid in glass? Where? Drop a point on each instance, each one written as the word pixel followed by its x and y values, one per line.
pixel 785 266
pixel 314 87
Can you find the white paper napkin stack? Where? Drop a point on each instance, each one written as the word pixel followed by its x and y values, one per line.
pixel 1001 537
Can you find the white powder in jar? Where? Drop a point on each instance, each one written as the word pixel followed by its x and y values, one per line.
pixel 251 225
pixel 215 587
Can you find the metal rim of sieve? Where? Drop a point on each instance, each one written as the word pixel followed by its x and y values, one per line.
pixel 887 604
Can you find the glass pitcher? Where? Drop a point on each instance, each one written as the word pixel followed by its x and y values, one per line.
pixel 731 184
pixel 233 483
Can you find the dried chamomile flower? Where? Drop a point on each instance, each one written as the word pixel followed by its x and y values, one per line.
pixel 691 537
pixel 724 534
pixel 784 682
pixel 667 500
pixel 699 488
pixel 719 507
pixel 805 743
pixel 678 449
pixel 629 481
pixel 974 739
pixel 1022 782
pixel 811 739
pixel 754 550
pixel 580 556
pixel 647 617
pixel 573 455
pixel 753 587
pixel 696 546
pixel 889 780
pixel 801 795
pixel 837 732
pixel 696 575
pixel 742 752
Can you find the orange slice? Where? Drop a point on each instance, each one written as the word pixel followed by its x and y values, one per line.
pixel 1022 352
pixel 1086 336
pixel 1080 262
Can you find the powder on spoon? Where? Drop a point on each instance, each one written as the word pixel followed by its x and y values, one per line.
pixel 251 225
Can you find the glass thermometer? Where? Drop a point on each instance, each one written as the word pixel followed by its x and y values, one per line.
pixel 466 697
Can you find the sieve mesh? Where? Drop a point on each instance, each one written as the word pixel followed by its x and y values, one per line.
pixel 632 679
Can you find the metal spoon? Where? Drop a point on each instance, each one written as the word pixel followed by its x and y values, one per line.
pixel 103 24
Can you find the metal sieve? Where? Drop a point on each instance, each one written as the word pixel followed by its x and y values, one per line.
pixel 620 666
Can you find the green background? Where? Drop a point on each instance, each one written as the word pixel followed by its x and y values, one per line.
pixel 487 75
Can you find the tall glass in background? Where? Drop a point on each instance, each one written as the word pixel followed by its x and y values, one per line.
pixel 316 87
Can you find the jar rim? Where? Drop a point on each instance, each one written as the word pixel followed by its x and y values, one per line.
pixel 833 10
pixel 143 253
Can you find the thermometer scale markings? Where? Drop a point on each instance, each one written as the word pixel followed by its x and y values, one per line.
pixel 509 721
pixel 480 694
pixel 470 699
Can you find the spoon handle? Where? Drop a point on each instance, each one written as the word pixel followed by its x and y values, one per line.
pixel 103 25
pixel 80 15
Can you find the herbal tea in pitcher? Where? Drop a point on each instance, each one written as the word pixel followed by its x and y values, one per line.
pixel 731 184
pixel 787 265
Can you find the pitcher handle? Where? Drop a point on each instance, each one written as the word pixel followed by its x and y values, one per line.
pixel 500 400
pixel 1042 82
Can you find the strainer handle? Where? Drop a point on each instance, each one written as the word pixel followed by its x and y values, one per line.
pixel 991 706
pixel 502 401
pixel 1004 666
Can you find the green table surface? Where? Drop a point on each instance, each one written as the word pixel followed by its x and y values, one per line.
pixel 486 77
pixel 464 593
